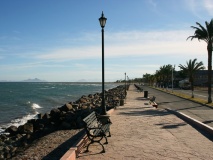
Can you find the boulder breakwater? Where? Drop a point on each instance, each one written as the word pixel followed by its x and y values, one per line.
pixel 69 116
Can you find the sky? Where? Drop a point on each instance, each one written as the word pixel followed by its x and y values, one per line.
pixel 60 41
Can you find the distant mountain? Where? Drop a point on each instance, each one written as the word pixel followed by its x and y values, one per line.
pixel 4 81
pixel 34 80
pixel 82 80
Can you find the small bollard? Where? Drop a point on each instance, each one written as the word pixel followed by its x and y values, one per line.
pixel 145 94
pixel 121 102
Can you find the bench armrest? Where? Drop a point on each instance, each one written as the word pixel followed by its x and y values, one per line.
pixel 94 128
pixel 104 119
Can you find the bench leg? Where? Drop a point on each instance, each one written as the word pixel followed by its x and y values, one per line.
pixel 109 134
pixel 106 140
pixel 92 141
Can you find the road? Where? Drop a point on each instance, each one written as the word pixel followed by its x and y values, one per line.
pixel 197 111
pixel 197 93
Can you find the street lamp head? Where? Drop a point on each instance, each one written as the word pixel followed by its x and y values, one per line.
pixel 102 20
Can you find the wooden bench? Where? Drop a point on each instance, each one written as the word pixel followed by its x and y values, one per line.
pixel 152 100
pixel 139 89
pixel 96 130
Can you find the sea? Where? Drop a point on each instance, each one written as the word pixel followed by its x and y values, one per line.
pixel 21 101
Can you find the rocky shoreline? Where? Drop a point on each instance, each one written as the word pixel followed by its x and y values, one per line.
pixel 66 120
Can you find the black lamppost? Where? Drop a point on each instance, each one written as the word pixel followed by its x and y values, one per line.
pixel 102 21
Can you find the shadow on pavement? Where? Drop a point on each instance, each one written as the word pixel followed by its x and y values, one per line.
pixel 204 133
pixel 171 126
pixel 58 152
pixel 207 122
pixel 145 113
pixel 141 99
pixel 170 102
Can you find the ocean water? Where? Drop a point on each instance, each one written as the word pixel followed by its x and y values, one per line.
pixel 21 101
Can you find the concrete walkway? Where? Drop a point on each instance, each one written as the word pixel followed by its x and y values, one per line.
pixel 140 131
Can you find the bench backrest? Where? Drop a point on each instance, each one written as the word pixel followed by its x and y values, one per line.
pixel 153 98
pixel 91 120
pixel 92 124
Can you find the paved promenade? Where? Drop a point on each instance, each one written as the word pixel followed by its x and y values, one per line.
pixel 141 132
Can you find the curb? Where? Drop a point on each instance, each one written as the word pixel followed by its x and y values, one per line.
pixel 74 151
pixel 182 97
pixel 192 121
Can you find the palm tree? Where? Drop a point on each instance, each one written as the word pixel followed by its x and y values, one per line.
pixel 165 72
pixel 191 68
pixel 146 77
pixel 206 34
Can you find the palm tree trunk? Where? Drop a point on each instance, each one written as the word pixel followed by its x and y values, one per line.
pixel 209 72
pixel 192 87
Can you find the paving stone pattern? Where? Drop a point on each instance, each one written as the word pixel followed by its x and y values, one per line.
pixel 141 132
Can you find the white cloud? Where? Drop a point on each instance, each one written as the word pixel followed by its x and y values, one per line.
pixel 70 53
pixel 133 43
pixel 198 6
pixel 208 4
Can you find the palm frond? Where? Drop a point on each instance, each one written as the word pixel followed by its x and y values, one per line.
pixel 191 67
pixel 200 33
pixel 203 29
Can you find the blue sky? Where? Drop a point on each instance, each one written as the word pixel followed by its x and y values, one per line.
pixel 61 40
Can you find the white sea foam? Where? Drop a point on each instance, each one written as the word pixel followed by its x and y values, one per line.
pixel 23 120
pixel 18 121
pixel 90 84
pixel 35 106
pixel 1 130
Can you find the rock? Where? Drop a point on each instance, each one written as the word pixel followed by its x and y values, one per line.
pixel 65 125
pixel 84 107
pixel 75 106
pixel 66 107
pixel 39 125
pixel 61 118
pixel 68 116
pixel 31 121
pixel 3 137
pixel 6 149
pixel 28 136
pixel 55 113
pixel 46 116
pixel 17 137
pixel 26 128
pixel 79 122
pixel 24 144
pixel 90 96
pixel 83 96
pixel 46 119
pixel 83 100
pixel 12 130
pixel 7 155
pixel 13 149
pixel 40 116
pixel 1 157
